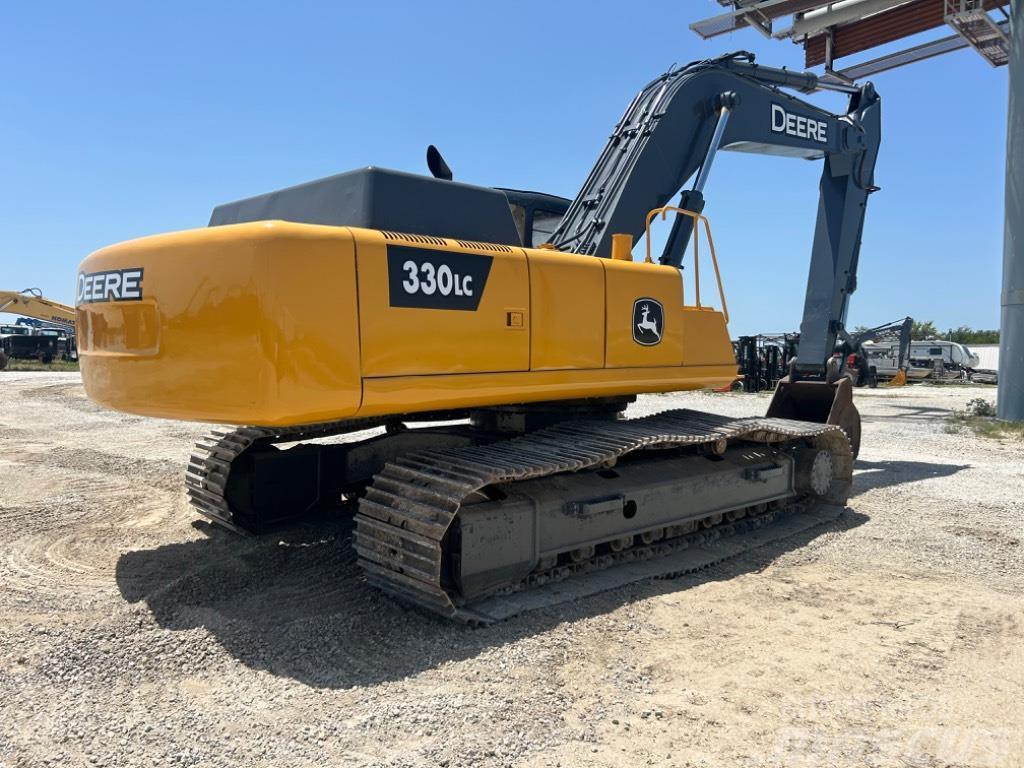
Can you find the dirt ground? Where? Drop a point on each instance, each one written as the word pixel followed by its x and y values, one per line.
pixel 133 634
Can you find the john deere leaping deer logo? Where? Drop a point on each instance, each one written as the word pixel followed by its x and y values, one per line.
pixel 648 321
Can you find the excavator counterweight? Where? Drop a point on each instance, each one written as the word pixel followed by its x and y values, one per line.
pixel 494 372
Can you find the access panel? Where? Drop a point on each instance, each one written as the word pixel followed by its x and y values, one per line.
pixel 643 326
pixel 431 306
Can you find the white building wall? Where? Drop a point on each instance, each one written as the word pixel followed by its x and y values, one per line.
pixel 988 355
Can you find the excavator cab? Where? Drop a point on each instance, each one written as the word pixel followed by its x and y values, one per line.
pixel 536 214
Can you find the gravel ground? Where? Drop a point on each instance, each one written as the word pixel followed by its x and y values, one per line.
pixel 132 634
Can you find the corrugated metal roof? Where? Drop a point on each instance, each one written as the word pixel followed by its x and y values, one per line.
pixel 879 29
pixel 909 56
pixel 885 27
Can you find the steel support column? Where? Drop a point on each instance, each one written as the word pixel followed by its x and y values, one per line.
pixel 1011 330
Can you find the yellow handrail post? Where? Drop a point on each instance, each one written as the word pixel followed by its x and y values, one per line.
pixel 696 261
pixel 718 275
pixel 697 218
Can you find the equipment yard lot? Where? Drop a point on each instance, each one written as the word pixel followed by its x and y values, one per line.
pixel 131 634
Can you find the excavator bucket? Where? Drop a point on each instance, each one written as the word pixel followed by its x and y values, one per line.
pixel 819 402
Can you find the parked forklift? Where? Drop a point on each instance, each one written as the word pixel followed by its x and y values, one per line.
pixel 763 360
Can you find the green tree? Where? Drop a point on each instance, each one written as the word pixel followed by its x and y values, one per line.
pixel 926 329
pixel 966 335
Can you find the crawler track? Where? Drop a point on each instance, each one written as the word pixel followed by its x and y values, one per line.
pixel 410 507
pixel 206 476
pixel 403 519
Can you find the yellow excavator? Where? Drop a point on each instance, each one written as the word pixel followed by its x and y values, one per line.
pixel 31 303
pixel 493 339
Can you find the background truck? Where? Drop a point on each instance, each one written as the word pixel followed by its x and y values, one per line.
pixel 48 335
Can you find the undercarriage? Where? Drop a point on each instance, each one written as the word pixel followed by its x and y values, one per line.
pixel 455 513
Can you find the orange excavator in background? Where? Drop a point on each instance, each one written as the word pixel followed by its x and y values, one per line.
pixel 495 364
pixel 56 338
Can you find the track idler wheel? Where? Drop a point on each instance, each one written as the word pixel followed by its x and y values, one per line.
pixel 814 471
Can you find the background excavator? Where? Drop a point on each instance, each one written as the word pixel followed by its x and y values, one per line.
pixel 498 370
pixel 54 338
pixel 858 361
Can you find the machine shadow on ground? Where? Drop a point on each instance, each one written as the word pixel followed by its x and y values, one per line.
pixel 916 412
pixel 295 604
pixel 870 475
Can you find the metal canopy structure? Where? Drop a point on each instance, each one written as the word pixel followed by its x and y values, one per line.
pixel 908 56
pixel 758 14
pixel 833 30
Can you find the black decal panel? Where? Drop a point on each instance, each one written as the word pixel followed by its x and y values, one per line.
pixel 109 285
pixel 648 321
pixel 428 279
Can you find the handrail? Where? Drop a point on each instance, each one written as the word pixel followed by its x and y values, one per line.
pixel 664 210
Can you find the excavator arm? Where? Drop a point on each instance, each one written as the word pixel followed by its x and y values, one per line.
pixel 31 303
pixel 898 330
pixel 671 132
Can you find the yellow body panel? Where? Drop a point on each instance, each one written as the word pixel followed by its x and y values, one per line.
pixel 396 395
pixel 274 323
pixel 705 338
pixel 566 311
pixel 226 330
pixel 625 283
pixel 403 341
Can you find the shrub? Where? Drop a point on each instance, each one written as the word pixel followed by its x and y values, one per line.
pixel 979 406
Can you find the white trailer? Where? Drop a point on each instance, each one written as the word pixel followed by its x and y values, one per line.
pixel 931 358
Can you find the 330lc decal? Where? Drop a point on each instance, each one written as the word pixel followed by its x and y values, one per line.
pixel 428 279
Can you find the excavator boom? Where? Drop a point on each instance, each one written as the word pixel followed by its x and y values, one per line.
pixel 670 133
pixel 31 303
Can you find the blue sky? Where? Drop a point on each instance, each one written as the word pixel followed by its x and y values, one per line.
pixel 121 120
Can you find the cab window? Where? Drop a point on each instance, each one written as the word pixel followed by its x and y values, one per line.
pixel 519 216
pixel 544 225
